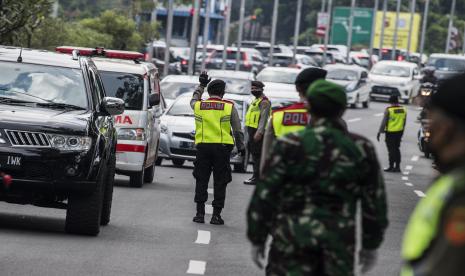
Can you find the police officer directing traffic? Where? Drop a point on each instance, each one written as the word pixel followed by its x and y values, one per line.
pixel 434 241
pixel 214 120
pixel 292 117
pixel 393 125
pixel 307 196
pixel 255 121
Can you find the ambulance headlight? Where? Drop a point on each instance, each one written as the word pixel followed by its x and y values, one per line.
pixel 134 134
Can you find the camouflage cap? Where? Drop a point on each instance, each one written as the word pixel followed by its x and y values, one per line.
pixel 325 91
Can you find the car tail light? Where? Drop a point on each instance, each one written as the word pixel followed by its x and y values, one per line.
pixel 400 58
pixel 184 62
pixel 246 61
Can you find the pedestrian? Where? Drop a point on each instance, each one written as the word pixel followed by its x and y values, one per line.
pixel 393 125
pixel 256 119
pixel 307 196
pixel 292 117
pixel 214 120
pixel 434 240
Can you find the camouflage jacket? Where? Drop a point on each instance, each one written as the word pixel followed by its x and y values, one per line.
pixel 311 183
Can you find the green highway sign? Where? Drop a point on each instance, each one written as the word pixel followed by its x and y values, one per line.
pixel 361 31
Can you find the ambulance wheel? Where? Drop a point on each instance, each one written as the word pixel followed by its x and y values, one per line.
pixel 178 162
pixel 149 174
pixel 136 180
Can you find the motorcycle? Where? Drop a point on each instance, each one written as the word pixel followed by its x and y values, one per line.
pixel 427 89
pixel 424 136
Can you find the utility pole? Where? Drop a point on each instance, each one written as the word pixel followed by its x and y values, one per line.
pixel 383 26
pixel 297 29
pixel 152 19
pixel 323 8
pixel 451 24
pixel 194 34
pixel 373 30
pixel 273 31
pixel 226 33
pixel 350 30
pixel 396 30
pixel 328 26
pixel 169 31
pixel 410 31
pixel 423 30
pixel 239 35
pixel 206 32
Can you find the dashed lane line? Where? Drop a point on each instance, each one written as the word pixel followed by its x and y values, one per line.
pixel 406 173
pixel 208 209
pixel 409 168
pixel 378 114
pixel 415 158
pixel 409 184
pixel 210 190
pixel 203 237
pixel 420 193
pixel 354 120
pixel 405 178
pixel 196 267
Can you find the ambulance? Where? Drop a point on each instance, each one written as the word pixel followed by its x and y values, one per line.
pixel 125 76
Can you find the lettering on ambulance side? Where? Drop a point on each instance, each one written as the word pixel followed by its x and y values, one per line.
pixel 123 120
pixel 295 119
pixel 211 106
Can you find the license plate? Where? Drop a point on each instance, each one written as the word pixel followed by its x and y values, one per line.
pixel 186 145
pixel 10 162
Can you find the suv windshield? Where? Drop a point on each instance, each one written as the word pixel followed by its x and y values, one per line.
pixel 391 70
pixel 277 76
pixel 447 64
pixel 42 84
pixel 340 74
pixel 171 90
pixel 128 87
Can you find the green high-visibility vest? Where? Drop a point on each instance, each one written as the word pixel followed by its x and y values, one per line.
pixel 290 119
pixel 213 122
pixel 396 120
pixel 425 221
pixel 252 117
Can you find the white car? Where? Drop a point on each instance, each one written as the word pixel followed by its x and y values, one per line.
pixel 354 80
pixel 139 126
pixel 279 75
pixel 173 86
pixel 399 78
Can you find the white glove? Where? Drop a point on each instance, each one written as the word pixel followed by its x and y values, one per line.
pixel 258 255
pixel 368 259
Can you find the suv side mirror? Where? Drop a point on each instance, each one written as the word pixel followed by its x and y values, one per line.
pixel 112 106
pixel 154 99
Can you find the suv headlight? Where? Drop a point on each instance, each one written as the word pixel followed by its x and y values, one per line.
pixel 70 143
pixel 135 134
pixel 351 87
pixel 164 129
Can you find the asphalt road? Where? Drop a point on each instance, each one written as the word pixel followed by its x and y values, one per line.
pixel 152 233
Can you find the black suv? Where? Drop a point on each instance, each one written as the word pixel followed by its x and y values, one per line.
pixel 57 135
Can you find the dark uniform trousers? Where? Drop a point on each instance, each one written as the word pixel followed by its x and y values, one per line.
pixel 212 158
pixel 393 140
pixel 255 150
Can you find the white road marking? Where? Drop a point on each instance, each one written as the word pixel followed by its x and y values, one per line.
pixel 405 178
pixel 210 190
pixel 415 158
pixel 420 193
pixel 409 184
pixel 406 173
pixel 208 209
pixel 409 168
pixel 354 120
pixel 196 267
pixel 203 237
pixel 378 114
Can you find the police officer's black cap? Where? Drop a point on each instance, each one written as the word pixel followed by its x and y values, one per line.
pixel 310 75
pixel 450 97
pixel 258 84
pixel 216 87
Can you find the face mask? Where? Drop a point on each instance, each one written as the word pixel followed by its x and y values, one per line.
pixel 257 93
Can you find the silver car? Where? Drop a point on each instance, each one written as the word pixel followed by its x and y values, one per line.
pixel 178 132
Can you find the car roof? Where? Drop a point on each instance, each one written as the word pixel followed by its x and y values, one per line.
pixel 43 57
pixel 447 56
pixel 181 79
pixel 401 63
pixel 123 66
pixel 289 55
pixel 352 67
pixel 231 74
pixel 281 69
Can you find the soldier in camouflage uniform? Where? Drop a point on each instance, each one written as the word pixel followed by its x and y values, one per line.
pixel 306 198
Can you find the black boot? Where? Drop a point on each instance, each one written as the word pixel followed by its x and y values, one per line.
pixel 216 218
pixel 390 169
pixel 396 168
pixel 200 216
pixel 251 181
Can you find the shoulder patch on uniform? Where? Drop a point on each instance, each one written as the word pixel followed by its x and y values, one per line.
pixel 211 106
pixel 291 118
pixel 455 226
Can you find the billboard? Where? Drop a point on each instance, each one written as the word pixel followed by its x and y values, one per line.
pixel 361 30
pixel 402 35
